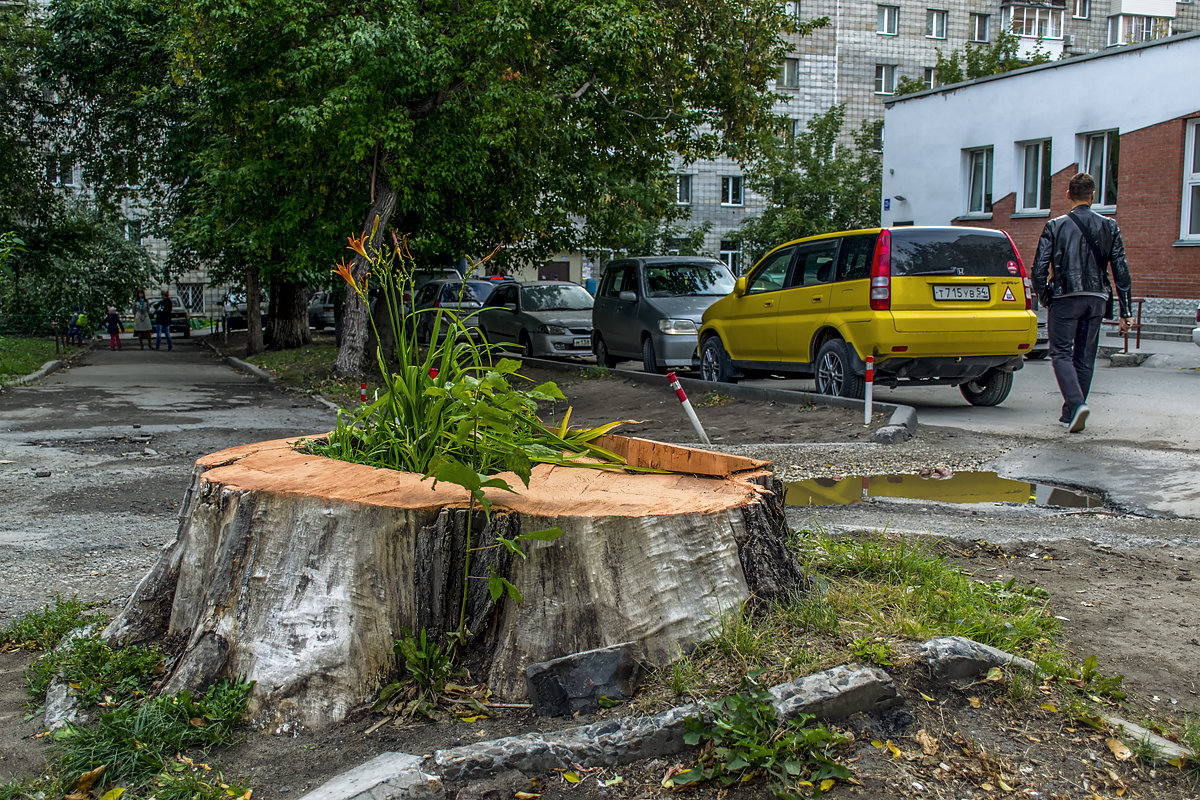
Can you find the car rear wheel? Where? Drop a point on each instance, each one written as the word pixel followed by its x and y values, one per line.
pixel 835 374
pixel 989 389
pixel 526 344
pixel 600 348
pixel 649 361
pixel 714 362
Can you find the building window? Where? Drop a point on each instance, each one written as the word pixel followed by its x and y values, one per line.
pixel 1191 183
pixel 1080 9
pixel 789 73
pixel 979 27
pixel 191 295
pixel 792 8
pixel 133 230
pixel 885 79
pixel 1101 160
pixel 929 78
pixel 887 20
pixel 683 190
pixel 60 171
pixel 1035 21
pixel 935 24
pixel 731 254
pixel 979 181
pixel 731 190
pixel 1035 188
pixel 1133 28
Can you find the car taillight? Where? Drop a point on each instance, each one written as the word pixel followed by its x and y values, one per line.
pixel 1021 271
pixel 881 273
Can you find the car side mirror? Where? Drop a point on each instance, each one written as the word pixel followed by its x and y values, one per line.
pixel 628 297
pixel 739 288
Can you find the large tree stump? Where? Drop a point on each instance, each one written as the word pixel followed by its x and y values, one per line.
pixel 299 572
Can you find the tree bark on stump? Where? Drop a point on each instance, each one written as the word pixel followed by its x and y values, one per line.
pixel 299 572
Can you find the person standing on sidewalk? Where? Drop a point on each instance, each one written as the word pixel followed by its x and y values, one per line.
pixel 162 320
pixel 141 319
pixel 112 323
pixel 1070 275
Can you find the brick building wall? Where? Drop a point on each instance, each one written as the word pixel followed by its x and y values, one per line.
pixel 1149 205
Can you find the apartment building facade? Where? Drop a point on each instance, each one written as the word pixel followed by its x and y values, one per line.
pixel 861 56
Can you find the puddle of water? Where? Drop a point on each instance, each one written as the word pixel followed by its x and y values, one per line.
pixel 961 487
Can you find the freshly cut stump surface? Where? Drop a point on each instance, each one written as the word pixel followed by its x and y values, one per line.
pixel 299 572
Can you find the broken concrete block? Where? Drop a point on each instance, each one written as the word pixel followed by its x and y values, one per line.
pixel 563 686
pixel 836 693
pixel 960 657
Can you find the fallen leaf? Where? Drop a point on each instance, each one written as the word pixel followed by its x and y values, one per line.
pixel 1004 787
pixel 877 744
pixel 1177 763
pixel 571 777
pixel 525 795
pixel 475 718
pixel 995 675
pixel 613 781
pixel 928 742
pixel 113 794
pixel 827 784
pixel 85 782
pixel 974 701
pixel 1119 749
pixel 925 697
pixel 894 750
pixel 1048 707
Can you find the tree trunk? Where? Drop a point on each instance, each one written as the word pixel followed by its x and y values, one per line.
pixel 254 330
pixel 289 315
pixel 300 572
pixel 354 313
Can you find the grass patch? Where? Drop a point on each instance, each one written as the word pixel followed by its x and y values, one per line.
pixel 310 369
pixel 713 400
pixel 97 673
pixel 45 628
pixel 20 355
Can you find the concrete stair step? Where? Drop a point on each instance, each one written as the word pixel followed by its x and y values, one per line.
pixel 1188 320
pixel 1158 327
pixel 1154 336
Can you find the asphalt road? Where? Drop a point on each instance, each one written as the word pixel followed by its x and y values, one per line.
pixel 95 460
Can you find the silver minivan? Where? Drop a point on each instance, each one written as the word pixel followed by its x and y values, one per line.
pixel 650 308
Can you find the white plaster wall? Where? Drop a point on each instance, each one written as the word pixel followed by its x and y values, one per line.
pixel 924 137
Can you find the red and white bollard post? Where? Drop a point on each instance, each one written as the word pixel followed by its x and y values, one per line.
pixel 868 397
pixel 687 407
pixel 362 393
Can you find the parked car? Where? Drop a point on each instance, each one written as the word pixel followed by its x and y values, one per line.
pixel 1196 330
pixel 1041 347
pixel 934 306
pixel 181 320
pixel 454 297
pixel 320 310
pixel 233 309
pixel 546 318
pixel 650 308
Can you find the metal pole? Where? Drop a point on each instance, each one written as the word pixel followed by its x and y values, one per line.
pixel 687 407
pixel 870 390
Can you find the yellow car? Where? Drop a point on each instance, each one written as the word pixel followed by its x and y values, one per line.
pixel 934 306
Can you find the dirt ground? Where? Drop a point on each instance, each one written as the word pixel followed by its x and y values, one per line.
pixel 1121 583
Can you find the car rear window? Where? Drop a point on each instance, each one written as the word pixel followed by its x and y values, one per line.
pixel 679 280
pixel 477 291
pixel 952 251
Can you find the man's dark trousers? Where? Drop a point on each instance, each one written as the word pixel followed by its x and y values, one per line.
pixel 1073 329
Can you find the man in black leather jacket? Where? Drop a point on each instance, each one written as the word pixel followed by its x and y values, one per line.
pixel 1070 275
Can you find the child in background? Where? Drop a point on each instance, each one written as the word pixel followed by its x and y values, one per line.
pixel 113 323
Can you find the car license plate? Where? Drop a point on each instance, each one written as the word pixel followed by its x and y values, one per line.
pixel 942 292
pixel 582 342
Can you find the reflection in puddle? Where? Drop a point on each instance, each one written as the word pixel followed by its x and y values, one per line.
pixel 961 487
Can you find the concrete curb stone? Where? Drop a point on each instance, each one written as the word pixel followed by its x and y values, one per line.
pixel 46 369
pixel 387 776
pixel 262 375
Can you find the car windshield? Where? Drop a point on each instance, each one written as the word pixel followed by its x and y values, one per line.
pixel 475 291
pixel 950 251
pixel 556 297
pixel 678 280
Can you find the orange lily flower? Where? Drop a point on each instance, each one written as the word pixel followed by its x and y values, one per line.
pixel 358 245
pixel 344 270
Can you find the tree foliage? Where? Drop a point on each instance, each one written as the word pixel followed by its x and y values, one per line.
pixel 977 61
pixel 814 183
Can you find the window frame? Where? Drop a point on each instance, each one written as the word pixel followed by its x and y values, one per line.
pixel 929 77
pixel 988 155
pixel 1191 183
pixel 683 189
pixel 1042 150
pixel 976 22
pixel 731 186
pixel 883 85
pixel 1152 29
pixel 1109 179
pixel 932 17
pixel 885 14
pixel 791 8
pixel 1081 9
pixel 730 253
pixel 1031 21
pixel 783 81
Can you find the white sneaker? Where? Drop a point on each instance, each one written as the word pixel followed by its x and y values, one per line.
pixel 1079 418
